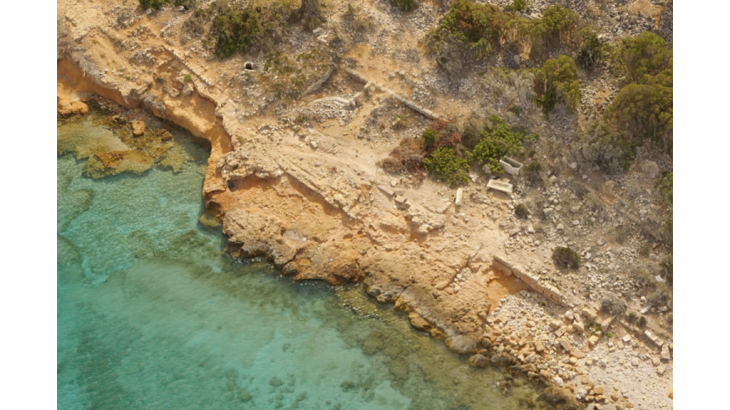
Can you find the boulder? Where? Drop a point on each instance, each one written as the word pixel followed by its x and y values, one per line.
pixel 478 361
pixel 561 398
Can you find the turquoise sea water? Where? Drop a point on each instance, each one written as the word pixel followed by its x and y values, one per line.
pixel 153 315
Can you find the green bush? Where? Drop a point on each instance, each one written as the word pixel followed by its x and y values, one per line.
pixel 429 137
pixel 566 257
pixel 642 321
pixel 643 108
pixel 557 82
pixel 646 59
pixel 500 140
pixel 188 78
pixel 641 111
pixel 521 211
pixel 152 4
pixel 405 5
pixel 446 166
pixel 235 30
pixel 519 5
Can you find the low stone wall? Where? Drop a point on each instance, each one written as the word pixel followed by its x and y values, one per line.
pixel 532 282
pixel 186 65
pixel 408 103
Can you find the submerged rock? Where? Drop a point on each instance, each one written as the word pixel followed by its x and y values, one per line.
pixel 116 162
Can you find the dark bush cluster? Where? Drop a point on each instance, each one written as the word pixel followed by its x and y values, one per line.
pixel 521 211
pixel 566 257
pixel 643 109
pixel 613 306
pixel 405 5
pixel 471 31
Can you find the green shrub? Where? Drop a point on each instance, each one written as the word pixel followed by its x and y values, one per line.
pixel 646 59
pixel 519 5
pixel 152 4
pixel 642 321
pixel 641 111
pixel 591 49
pixel 559 24
pixel 235 30
pixel 188 78
pixel 429 137
pixel 405 5
pixel 557 82
pixel 446 166
pixel 500 140
pixel 521 211
pixel 566 257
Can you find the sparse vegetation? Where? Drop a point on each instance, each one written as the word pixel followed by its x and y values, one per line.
pixel 406 157
pixel 642 321
pixel 188 78
pixel 557 83
pixel 289 77
pixel 666 188
pixel 566 257
pixel 668 269
pixel 531 172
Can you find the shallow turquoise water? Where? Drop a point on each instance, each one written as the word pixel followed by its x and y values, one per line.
pixel 153 315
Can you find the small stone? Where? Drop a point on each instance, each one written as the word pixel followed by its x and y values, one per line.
pixel 660 370
pixel 665 353
pixel 556 324
pixel 137 128
pixel 626 339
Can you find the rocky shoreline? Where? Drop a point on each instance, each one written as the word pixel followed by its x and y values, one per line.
pixel 310 197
